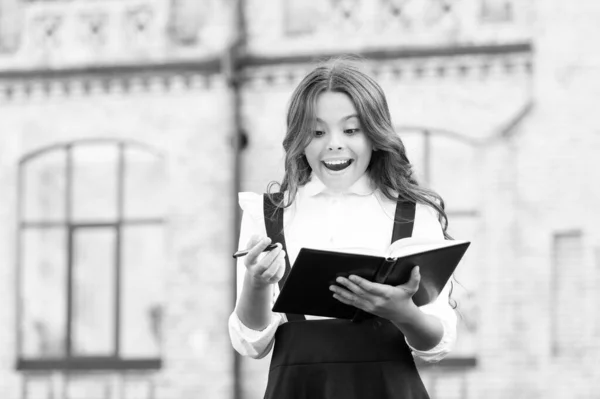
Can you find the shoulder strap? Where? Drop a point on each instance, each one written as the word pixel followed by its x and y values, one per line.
pixel 273 216
pixel 404 219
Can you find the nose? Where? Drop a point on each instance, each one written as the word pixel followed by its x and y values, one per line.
pixel 336 141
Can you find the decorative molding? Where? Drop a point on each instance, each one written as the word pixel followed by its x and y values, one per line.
pixel 72 34
pixel 49 88
pixel 187 18
pixel 329 25
pixel 91 363
pixel 459 67
pixel 59 33
pixel 394 52
pixel 473 62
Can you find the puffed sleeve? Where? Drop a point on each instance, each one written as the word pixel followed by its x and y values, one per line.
pixel 427 225
pixel 245 341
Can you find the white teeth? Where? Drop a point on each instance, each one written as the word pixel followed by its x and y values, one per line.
pixel 336 162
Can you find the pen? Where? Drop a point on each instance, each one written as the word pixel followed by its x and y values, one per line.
pixel 244 252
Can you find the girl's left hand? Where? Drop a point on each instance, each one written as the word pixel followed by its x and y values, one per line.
pixel 389 302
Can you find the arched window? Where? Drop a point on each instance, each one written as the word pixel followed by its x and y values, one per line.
pixel 90 256
pixel 448 163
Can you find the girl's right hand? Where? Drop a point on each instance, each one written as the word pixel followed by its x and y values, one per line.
pixel 264 268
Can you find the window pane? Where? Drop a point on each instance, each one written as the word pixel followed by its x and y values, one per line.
pixel 144 184
pixel 567 323
pixel 93 291
pixel 43 292
pixel 138 386
pixel 44 181
pixel 38 386
pixel 95 182
pixel 88 386
pixel 142 288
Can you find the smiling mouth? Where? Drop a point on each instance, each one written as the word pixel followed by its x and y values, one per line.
pixel 337 165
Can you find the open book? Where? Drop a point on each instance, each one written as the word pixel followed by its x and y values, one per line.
pixel 306 290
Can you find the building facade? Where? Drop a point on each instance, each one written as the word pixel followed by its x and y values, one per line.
pixel 128 127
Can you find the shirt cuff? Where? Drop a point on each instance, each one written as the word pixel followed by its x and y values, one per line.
pixel 446 344
pixel 253 343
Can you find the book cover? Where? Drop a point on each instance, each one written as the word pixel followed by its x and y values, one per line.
pixel 306 290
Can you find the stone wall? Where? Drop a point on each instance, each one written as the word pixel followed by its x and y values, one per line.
pixel 192 127
pixel 528 134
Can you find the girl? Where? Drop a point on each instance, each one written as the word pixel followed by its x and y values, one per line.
pixel 347 183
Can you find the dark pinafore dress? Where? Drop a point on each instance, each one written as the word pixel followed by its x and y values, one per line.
pixel 335 358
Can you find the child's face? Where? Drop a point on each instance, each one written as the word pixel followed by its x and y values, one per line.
pixel 339 151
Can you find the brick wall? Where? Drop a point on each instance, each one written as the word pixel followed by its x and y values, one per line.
pixel 530 182
pixel 526 178
pixel 472 105
pixel 192 127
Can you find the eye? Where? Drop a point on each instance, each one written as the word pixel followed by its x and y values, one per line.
pixel 352 131
pixel 318 133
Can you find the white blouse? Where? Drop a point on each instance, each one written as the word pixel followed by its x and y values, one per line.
pixel 361 218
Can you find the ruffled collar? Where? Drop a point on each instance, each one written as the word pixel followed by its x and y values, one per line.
pixel 363 186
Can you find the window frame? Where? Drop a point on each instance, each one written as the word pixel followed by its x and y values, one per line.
pixel 70 361
pixel 451 362
pixel 559 349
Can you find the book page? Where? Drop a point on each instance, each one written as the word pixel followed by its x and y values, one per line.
pixel 359 250
pixel 412 245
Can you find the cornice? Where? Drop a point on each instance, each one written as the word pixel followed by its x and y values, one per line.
pixel 444 63
pixel 396 53
pixel 24 85
pixel 417 65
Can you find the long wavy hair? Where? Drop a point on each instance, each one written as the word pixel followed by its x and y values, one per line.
pixel 389 169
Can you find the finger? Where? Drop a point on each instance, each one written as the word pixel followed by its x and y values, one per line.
pixel 368 286
pixel 273 269
pixel 343 300
pixel 266 259
pixel 351 286
pixel 281 270
pixel 347 297
pixel 412 285
pixel 277 276
pixel 256 250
